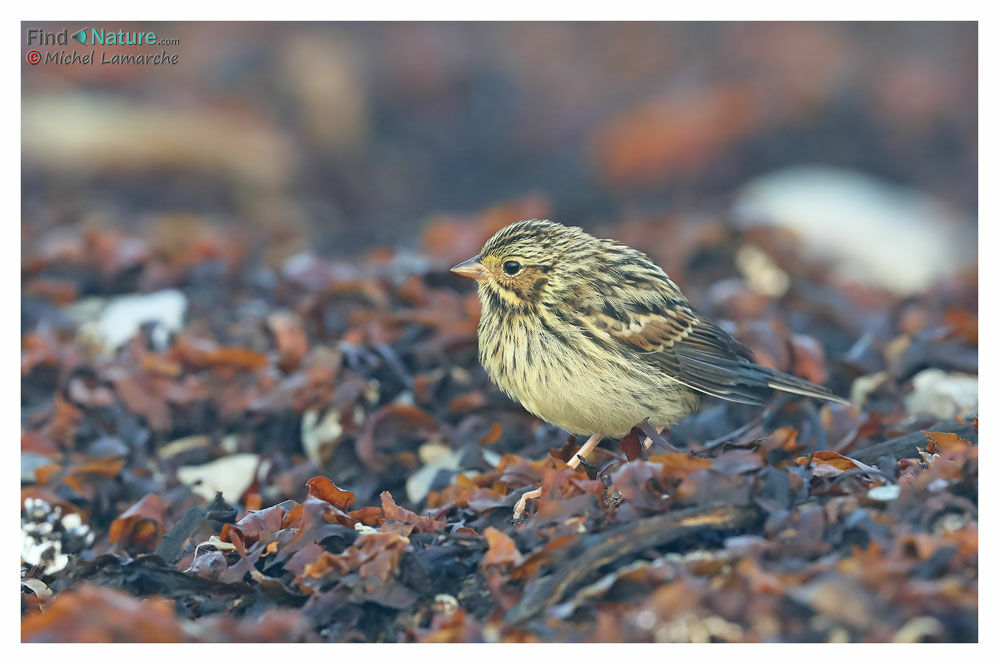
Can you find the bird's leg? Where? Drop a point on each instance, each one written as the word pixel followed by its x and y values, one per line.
pixel 593 441
pixel 648 440
pixel 587 447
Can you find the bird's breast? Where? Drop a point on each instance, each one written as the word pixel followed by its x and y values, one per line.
pixel 559 374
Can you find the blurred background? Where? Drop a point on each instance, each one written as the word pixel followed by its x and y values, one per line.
pixel 349 136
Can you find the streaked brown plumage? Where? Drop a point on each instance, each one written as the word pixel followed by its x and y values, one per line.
pixel 593 337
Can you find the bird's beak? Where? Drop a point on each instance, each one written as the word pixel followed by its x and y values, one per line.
pixel 471 268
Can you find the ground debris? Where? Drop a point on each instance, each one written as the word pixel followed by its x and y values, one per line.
pixel 251 403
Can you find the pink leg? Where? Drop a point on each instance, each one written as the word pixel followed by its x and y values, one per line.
pixel 587 447
pixel 593 441
pixel 518 509
pixel 648 441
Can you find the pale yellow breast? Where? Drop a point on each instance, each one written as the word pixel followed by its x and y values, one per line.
pixel 578 386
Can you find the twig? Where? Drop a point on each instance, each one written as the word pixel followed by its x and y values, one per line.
pixel 909 445
pixel 624 541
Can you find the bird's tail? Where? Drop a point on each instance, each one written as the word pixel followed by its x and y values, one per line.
pixel 779 380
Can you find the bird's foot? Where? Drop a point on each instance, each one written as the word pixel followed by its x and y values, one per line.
pixel 518 509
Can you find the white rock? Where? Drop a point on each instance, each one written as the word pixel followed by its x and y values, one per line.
pixel 232 475
pixel 872 231
pixel 432 450
pixel 34 550
pixel 942 394
pixel 418 484
pixel 884 493
pixel 864 385
pixel 492 458
pixel 320 435
pixel 114 321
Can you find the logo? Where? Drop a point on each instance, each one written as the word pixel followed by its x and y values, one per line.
pixel 104 46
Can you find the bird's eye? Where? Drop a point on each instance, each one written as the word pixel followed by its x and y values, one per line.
pixel 511 267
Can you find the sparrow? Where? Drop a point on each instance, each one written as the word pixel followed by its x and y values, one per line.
pixel 593 337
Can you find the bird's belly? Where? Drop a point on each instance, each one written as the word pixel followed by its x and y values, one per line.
pixel 587 393
pixel 586 406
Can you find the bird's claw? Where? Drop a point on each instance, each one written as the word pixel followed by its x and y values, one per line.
pixel 518 509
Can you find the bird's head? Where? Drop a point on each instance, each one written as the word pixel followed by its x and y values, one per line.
pixel 526 260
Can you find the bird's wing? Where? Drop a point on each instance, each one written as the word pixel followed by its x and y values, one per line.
pixel 670 334
pixel 666 331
